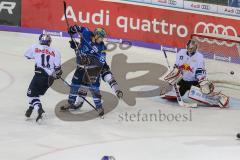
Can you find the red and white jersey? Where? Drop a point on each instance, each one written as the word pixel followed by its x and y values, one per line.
pixel 192 67
pixel 45 57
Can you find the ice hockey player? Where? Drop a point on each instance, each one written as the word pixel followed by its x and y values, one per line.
pixel 91 67
pixel 190 75
pixel 47 69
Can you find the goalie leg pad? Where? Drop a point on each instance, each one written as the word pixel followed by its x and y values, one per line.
pixel 185 86
pixel 223 100
pixel 215 100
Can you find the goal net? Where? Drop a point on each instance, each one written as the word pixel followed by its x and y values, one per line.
pixel 219 47
pixel 225 52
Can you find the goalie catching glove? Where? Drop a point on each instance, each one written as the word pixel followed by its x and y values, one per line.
pixel 206 86
pixel 74 45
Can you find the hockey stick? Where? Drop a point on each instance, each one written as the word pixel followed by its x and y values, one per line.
pixel 179 97
pixel 81 96
pixel 68 27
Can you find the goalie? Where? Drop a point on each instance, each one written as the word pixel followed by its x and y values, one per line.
pixel 190 75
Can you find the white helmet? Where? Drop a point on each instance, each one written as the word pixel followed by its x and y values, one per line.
pixel 192 46
pixel 45 39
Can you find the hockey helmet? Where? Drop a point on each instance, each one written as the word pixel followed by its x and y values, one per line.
pixel 45 39
pixel 100 32
pixel 192 46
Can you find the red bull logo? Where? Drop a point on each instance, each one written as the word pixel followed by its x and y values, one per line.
pixel 185 67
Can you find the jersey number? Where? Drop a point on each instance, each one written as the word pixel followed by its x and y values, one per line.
pixel 45 59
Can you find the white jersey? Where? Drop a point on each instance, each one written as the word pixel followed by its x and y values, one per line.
pixel 192 67
pixel 45 57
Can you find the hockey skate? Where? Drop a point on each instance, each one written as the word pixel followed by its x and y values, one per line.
pixel 40 112
pixel 100 111
pixel 71 107
pixel 29 112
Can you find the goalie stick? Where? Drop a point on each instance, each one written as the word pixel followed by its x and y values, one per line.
pixel 179 97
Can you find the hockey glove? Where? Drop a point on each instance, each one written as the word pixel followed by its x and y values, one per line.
pixel 57 73
pixel 119 94
pixel 74 29
pixel 74 45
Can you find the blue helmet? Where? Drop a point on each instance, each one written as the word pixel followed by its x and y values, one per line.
pixel 45 39
pixel 108 158
pixel 100 32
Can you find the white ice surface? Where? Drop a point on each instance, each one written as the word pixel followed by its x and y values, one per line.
pixel 209 136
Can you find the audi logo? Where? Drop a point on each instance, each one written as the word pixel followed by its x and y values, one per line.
pixel 206 7
pixel 216 30
pixel 172 2
pixel 237 11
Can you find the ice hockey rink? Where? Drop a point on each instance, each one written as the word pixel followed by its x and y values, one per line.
pixel 208 133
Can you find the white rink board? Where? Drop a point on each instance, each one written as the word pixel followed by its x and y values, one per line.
pixel 210 134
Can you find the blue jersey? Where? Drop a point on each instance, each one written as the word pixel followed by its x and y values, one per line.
pixel 88 47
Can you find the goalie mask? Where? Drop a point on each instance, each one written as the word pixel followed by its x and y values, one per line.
pixel 192 46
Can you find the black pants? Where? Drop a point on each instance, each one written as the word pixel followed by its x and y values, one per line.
pixel 186 85
pixel 39 84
